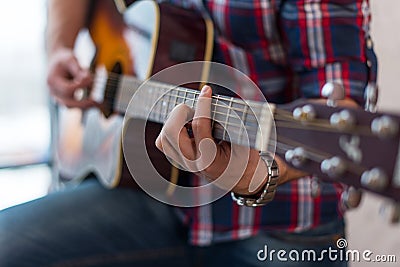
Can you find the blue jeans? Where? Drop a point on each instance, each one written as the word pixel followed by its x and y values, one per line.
pixel 93 226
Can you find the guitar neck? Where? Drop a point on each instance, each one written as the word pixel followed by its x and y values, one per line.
pixel 233 119
pixel 344 145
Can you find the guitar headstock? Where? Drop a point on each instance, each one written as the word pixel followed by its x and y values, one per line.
pixel 346 145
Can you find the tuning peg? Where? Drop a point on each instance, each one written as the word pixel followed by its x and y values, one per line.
pixel 315 187
pixel 375 179
pixel 343 120
pixel 304 113
pixel 390 211
pixel 351 197
pixel 334 92
pixel 333 167
pixel 371 97
pixel 384 126
pixel 297 157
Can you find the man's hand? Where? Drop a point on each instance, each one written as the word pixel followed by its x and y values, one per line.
pixel 65 76
pixel 239 167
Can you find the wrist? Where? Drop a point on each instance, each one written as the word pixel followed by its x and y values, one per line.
pixel 267 192
pixel 59 50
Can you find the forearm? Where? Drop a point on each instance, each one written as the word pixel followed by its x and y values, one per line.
pixel 65 19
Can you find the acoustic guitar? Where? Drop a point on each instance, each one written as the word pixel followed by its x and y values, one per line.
pixel 346 145
pixel 130 47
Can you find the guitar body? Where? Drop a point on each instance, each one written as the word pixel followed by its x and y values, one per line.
pixel 139 42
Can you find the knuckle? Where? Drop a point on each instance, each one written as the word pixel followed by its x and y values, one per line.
pixel 168 129
pixel 196 124
pixel 158 143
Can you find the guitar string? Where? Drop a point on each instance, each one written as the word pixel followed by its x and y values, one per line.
pixel 316 156
pixel 284 121
pixel 317 124
pixel 178 88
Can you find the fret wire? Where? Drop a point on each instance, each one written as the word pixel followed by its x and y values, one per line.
pixel 154 106
pixel 159 103
pixel 244 115
pixel 194 100
pixel 185 96
pixel 150 99
pixel 159 100
pixel 213 113
pixel 176 100
pixel 190 99
pixel 227 117
pixel 168 108
pixel 166 104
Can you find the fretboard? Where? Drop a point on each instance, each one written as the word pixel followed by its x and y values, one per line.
pixel 233 119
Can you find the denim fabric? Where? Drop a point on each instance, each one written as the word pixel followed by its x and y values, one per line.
pixel 93 226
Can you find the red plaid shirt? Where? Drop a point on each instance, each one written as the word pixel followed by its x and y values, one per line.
pixel 290 49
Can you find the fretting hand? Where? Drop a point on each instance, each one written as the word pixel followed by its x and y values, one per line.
pixel 236 167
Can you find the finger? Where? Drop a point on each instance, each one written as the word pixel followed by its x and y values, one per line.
pixel 64 92
pixel 206 149
pixel 73 66
pixel 159 142
pixel 62 87
pixel 178 156
pixel 201 124
pixel 80 76
pixel 174 137
pixel 63 83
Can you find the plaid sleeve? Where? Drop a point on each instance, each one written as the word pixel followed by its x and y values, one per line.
pixel 326 42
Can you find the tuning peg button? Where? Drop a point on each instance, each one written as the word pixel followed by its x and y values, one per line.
pixel 343 120
pixel 351 198
pixel 375 179
pixel 371 97
pixel 305 113
pixel 333 167
pixel 334 92
pixel 297 157
pixel 384 126
pixel 315 187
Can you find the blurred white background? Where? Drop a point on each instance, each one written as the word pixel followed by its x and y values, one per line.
pixel 24 113
pixel 366 228
pixel 25 120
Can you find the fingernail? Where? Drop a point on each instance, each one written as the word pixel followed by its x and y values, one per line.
pixel 205 90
